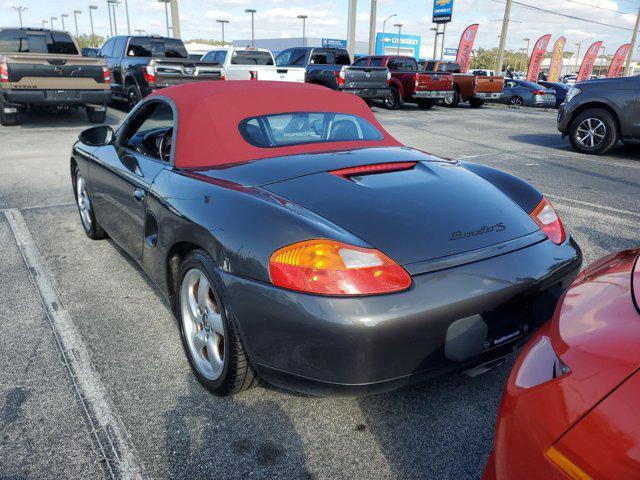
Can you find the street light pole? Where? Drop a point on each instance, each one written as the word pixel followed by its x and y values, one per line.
pixel 373 17
pixel 351 30
pixel 252 11
pixel 384 23
pixel 175 18
pixel 634 38
pixel 63 16
pixel 399 27
pixel 75 17
pixel 44 23
pixel 52 19
pixel 93 35
pixel 166 14
pixel 222 22
pixel 579 45
pixel 503 36
pixel 20 10
pixel 304 29
pixel 526 52
pixel 126 9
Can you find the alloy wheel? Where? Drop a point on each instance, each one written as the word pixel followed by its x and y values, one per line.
pixel 84 204
pixel 591 132
pixel 517 101
pixel 202 324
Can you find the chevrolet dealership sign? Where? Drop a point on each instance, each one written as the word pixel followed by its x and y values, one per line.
pixel 442 11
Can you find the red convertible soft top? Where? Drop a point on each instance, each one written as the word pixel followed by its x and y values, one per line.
pixel 209 115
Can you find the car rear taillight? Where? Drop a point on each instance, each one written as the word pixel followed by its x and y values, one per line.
pixel 346 173
pixel 253 75
pixel 150 74
pixel 4 73
pixel 106 75
pixel 540 92
pixel 340 76
pixel 549 221
pixel 329 267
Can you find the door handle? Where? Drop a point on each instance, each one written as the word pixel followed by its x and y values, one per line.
pixel 139 195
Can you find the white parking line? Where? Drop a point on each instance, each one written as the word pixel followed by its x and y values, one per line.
pixel 108 431
pixel 618 211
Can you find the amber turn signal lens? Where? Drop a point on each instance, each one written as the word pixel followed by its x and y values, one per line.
pixel 328 267
pixel 567 466
pixel 549 221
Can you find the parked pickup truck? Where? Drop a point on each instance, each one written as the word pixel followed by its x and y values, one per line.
pixel 407 84
pixel 468 88
pixel 139 65
pixel 251 64
pixel 44 68
pixel 332 68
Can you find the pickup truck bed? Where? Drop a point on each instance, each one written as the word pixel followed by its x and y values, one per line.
pixel 251 64
pixel 59 80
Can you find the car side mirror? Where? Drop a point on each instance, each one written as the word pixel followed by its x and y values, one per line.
pixel 98 136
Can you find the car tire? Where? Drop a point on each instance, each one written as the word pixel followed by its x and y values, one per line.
pixel 453 101
pixel 425 104
pixel 476 102
pixel 8 119
pixel 85 208
pixel 516 101
pixel 133 95
pixel 96 116
pixel 392 100
pixel 594 132
pixel 209 335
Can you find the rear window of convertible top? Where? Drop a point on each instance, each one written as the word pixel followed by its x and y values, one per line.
pixel 287 129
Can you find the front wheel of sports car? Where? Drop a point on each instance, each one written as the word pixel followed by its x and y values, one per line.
pixel 87 217
pixel 594 132
pixel 209 337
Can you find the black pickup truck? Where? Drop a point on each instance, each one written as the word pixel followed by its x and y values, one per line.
pixel 332 68
pixel 139 65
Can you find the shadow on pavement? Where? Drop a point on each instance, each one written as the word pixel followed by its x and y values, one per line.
pixel 40 118
pixel 549 140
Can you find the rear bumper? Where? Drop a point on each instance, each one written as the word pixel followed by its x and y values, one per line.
pixel 433 94
pixel 16 98
pixel 538 101
pixel 448 320
pixel 488 96
pixel 369 93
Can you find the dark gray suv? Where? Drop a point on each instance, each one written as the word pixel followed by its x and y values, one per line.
pixel 598 113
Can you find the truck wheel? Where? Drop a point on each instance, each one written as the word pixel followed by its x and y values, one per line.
pixel 453 101
pixel 476 102
pixel 96 116
pixel 8 119
pixel 392 101
pixel 594 132
pixel 133 95
pixel 425 104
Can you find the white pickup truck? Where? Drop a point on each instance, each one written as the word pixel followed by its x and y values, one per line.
pixel 251 64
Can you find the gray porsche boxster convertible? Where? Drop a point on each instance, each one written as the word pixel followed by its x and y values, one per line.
pixel 298 242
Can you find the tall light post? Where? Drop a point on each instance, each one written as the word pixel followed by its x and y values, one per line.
pixel 222 22
pixel 93 35
pixel 62 17
pixel 139 31
pixel 526 52
pixel 373 18
pixel 44 23
pixel 113 4
pixel 20 10
pixel 252 11
pixel 52 19
pixel 75 17
pixel 166 13
pixel 384 29
pixel 126 9
pixel 175 19
pixel 304 29
pixel 503 36
pixel 351 28
pixel 579 45
pixel 634 38
pixel 399 27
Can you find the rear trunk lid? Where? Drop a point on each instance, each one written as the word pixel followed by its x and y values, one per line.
pixel 366 77
pixel 173 71
pixel 39 71
pixel 490 84
pixel 434 81
pixel 435 210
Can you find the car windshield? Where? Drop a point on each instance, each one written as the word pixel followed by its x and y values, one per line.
pixel 282 130
pixel 25 41
pixel 251 57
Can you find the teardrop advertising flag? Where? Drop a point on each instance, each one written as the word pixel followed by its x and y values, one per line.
pixel 465 47
pixel 539 49
pixel 588 62
pixel 556 59
pixel 615 70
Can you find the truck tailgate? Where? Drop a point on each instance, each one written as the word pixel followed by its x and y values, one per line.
pixel 366 77
pixel 490 84
pixel 34 71
pixel 434 81
pixel 281 74
pixel 170 71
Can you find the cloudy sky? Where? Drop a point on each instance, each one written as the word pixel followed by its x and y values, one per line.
pixel 328 18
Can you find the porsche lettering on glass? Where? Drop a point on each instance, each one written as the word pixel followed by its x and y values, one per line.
pixel 300 244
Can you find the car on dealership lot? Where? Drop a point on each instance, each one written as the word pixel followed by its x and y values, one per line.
pixel 570 79
pixel 331 68
pixel 407 84
pixel 140 65
pixel 597 114
pixel 299 242
pixel 521 93
pixel 467 87
pixel 569 407
pixel 560 88
pixel 42 68
pixel 249 63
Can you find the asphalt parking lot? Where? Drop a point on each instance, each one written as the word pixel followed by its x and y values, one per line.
pixel 172 427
